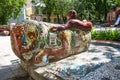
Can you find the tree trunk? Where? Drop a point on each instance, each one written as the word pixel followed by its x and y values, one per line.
pixel 105 10
pixel 48 18
pixel 58 18
pixel 36 10
pixel 64 19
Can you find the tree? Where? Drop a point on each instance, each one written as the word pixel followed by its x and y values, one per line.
pixel 61 7
pixel 48 9
pixel 10 9
pixel 102 7
pixel 87 9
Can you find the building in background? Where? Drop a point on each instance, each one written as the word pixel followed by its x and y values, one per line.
pixel 53 17
pixel 28 9
pixel 29 13
pixel 41 15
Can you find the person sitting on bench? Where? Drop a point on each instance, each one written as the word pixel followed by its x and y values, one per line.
pixel 73 22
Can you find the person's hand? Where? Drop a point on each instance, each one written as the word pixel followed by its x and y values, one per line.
pixel 89 24
pixel 53 29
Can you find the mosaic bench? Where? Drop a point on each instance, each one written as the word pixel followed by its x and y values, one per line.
pixel 37 46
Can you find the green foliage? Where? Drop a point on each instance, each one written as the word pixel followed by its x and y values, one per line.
pixel 85 8
pixel 48 9
pixel 10 9
pixel 62 6
pixel 106 35
pixel 59 7
pixel 92 10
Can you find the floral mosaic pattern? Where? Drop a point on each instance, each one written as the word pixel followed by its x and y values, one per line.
pixel 32 41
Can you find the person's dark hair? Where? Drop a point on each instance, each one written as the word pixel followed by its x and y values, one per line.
pixel 72 14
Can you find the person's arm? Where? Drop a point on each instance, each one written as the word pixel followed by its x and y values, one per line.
pixel 64 27
pixel 85 26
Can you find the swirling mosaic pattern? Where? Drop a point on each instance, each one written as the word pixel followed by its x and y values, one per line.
pixel 32 41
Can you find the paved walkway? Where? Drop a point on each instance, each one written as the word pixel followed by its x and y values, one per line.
pixel 9 63
pixel 107 28
pixel 109 71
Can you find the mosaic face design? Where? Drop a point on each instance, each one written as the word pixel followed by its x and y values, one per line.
pixel 24 37
pixel 32 41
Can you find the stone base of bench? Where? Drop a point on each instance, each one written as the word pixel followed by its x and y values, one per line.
pixel 31 71
pixel 75 67
pixel 80 68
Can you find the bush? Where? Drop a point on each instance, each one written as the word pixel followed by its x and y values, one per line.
pixel 113 35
